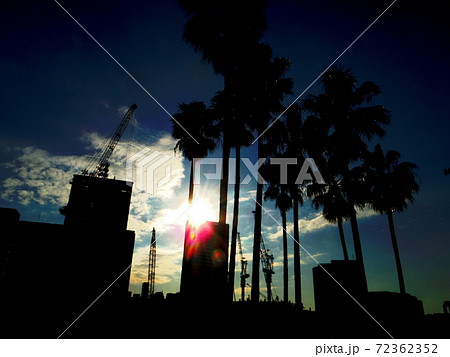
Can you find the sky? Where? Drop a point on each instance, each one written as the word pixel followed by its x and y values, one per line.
pixel 62 96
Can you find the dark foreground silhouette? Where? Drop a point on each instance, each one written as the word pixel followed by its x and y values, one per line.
pixel 173 318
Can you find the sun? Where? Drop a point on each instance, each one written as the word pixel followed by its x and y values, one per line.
pixel 200 212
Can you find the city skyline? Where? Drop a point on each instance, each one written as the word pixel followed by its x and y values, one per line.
pixel 62 85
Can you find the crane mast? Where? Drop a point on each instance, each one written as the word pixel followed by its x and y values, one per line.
pixel 102 162
pixel 267 268
pixel 244 264
pixel 152 264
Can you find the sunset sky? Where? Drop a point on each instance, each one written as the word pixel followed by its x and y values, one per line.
pixel 62 95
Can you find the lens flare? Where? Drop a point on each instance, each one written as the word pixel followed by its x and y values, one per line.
pixel 200 212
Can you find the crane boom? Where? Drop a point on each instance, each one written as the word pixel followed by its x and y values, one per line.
pixel 102 167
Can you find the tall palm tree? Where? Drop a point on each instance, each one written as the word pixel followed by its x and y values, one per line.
pixel 221 31
pixel 286 142
pixel 295 148
pixel 242 137
pixel 393 184
pixel 343 113
pixel 329 196
pixel 335 209
pixel 196 118
pixel 224 32
pixel 267 86
pixel 280 194
pixel 296 193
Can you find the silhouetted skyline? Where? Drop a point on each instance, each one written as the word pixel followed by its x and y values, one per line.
pixel 59 86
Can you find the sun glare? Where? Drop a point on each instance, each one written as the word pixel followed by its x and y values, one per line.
pixel 201 212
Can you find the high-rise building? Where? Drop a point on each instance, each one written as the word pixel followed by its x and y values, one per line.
pixel 98 202
pixel 96 219
pixel 205 259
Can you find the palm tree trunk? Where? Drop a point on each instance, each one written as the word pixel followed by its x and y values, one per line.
pixel 224 182
pixel 342 237
pixel 401 281
pixel 191 184
pixel 237 188
pixel 357 245
pixel 285 259
pixel 297 261
pixel 257 244
pixel 356 237
pixel 225 151
pixel 257 235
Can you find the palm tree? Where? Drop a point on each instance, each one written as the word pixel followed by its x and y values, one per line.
pixel 224 32
pixel 286 142
pixel 297 199
pixel 266 86
pixel 242 137
pixel 329 196
pixel 342 113
pixel 221 31
pixel 196 118
pixel 280 194
pixel 393 184
pixel 335 209
pixel 295 147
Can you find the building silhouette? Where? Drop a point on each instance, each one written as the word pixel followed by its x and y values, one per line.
pixel 331 279
pixel 205 260
pixel 98 203
pixel 342 298
pixel 50 273
pixel 144 290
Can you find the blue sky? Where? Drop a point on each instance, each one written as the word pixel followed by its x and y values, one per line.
pixel 61 95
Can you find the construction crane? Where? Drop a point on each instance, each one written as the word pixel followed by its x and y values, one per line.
pixel 152 264
pixel 244 264
pixel 267 268
pixel 99 164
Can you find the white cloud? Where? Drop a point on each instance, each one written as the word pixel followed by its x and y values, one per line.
pixel 40 177
pixel 313 223
pixel 247 196
pixel 307 259
pixel 365 213
pixel 164 144
pixel 44 178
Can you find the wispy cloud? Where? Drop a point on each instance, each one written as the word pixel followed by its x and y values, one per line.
pixel 313 223
pixel 308 259
pixel 40 177
pixel 247 195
